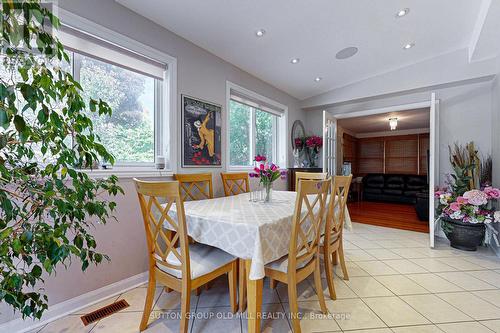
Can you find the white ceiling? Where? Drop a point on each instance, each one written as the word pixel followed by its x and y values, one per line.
pixel 407 120
pixel 315 31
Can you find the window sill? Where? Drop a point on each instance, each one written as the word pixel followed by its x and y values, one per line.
pixel 129 172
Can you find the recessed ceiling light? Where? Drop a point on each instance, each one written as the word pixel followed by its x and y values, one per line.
pixel 346 53
pixel 260 33
pixel 403 12
pixel 318 79
pixel 408 46
pixel 295 60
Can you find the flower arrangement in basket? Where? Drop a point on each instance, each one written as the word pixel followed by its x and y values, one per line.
pixel 268 173
pixel 465 207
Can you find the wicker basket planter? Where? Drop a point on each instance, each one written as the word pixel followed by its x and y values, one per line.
pixel 465 236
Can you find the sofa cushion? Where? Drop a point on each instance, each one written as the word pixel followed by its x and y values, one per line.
pixel 416 182
pixel 372 190
pixel 392 191
pixel 374 181
pixel 395 182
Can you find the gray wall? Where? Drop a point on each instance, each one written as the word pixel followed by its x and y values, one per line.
pixel 200 74
pixel 495 130
pixel 465 112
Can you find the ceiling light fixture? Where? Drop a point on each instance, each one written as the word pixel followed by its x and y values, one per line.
pixel 260 33
pixel 403 12
pixel 393 123
pixel 318 79
pixel 295 61
pixel 408 46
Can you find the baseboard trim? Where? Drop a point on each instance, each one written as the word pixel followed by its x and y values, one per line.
pixel 72 305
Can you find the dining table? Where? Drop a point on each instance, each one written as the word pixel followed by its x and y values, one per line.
pixel 256 232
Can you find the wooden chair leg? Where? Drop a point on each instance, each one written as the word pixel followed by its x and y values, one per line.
pixel 342 261
pixel 329 274
pixel 319 287
pixel 242 285
pixel 232 279
pixel 294 306
pixel 334 258
pixel 185 306
pixel 148 304
pixel 273 283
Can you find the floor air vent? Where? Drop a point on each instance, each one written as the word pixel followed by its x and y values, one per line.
pixel 103 312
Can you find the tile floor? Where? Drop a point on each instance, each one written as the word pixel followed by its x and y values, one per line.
pixel 397 284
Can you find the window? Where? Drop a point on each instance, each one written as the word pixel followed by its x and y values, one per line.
pixel 137 87
pixel 256 127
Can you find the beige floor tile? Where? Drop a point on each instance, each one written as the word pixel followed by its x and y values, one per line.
pixel 492 296
pixel 357 255
pixel 313 320
pixel 409 253
pixel 375 268
pixel 461 264
pixel 490 277
pixel 375 330
pixel 67 324
pixel 349 246
pixel 472 327
pixel 217 295
pixel 465 281
pixel 305 292
pixel 128 322
pixel 489 263
pixel 395 312
pixel 352 314
pixel 366 244
pixel 217 319
pixel 401 285
pixel 341 289
pixel 352 269
pixel 434 283
pixel 405 266
pixel 472 305
pixel 96 306
pixel 172 301
pixel 382 254
pixel 136 298
pixel 417 329
pixel 493 325
pixel 435 309
pixel 367 286
pixel 433 265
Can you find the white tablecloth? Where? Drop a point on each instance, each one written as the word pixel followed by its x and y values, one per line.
pixel 248 230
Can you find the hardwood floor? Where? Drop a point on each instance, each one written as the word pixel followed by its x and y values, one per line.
pixel 399 216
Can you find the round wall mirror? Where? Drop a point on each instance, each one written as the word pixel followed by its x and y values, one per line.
pixel 298 131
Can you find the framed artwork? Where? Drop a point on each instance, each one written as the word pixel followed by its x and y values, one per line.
pixel 201 133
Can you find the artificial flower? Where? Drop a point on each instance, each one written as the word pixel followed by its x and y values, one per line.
pixel 476 197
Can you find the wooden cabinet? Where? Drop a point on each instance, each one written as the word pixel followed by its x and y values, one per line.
pixel 291 175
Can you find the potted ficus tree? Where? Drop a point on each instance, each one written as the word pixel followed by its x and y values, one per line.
pixel 466 206
pixel 47 203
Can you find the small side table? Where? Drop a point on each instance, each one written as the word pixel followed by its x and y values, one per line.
pixel 357 191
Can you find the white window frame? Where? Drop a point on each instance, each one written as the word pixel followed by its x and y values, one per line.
pixel 280 128
pixel 165 118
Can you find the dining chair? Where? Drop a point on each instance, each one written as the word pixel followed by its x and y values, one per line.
pixel 303 257
pixel 308 176
pixel 195 186
pixel 182 268
pixel 331 245
pixel 235 183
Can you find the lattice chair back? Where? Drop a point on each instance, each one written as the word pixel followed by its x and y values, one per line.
pixel 310 211
pixel 336 208
pixel 299 175
pixel 162 241
pixel 195 186
pixel 235 183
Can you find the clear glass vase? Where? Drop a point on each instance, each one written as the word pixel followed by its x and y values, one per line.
pixel 267 192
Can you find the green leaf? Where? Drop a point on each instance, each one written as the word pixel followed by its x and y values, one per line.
pixel 78 241
pixel 3 117
pixel 19 123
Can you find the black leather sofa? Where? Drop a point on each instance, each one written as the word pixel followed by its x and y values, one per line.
pixel 393 187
